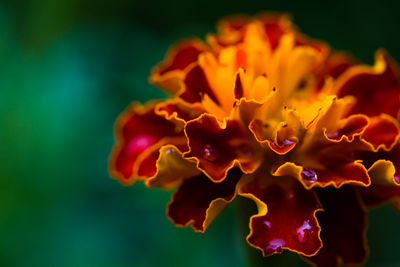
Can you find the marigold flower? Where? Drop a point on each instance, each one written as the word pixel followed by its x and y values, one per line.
pixel 263 112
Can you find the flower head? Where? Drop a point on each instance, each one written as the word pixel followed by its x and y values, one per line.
pixel 263 112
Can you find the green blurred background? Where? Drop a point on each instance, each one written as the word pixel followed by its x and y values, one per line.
pixel 68 68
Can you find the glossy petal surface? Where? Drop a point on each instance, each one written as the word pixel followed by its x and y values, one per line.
pixel 199 200
pixel 286 218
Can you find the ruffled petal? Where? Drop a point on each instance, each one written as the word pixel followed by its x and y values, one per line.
pixel 281 136
pixel 172 168
pixel 140 133
pixel 217 147
pixel 343 225
pixel 384 169
pixel 199 200
pixel 336 175
pixel 169 74
pixel 383 166
pixel 286 215
pixel 377 88
pixel 382 132
pixel 178 110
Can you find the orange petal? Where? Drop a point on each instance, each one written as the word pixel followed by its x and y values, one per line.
pixel 334 66
pixel 230 31
pixel 172 168
pixel 348 128
pixel 275 26
pixel 383 166
pixel 196 85
pixel 199 200
pixel 281 137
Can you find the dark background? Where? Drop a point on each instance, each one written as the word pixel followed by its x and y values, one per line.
pixel 68 68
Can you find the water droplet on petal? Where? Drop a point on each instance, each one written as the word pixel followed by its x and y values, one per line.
pixel 267 223
pixel 303 229
pixel 209 153
pixel 275 245
pixel 309 175
pixel 287 142
pixel 170 151
pixel 334 135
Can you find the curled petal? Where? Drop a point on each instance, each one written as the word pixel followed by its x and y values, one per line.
pixel 217 147
pixel 196 85
pixel 382 132
pixel 383 172
pixel 169 74
pixel 377 88
pixel 286 215
pixel 383 166
pixel 336 175
pixel 172 168
pixel 343 225
pixel 178 110
pixel 199 200
pixel 140 132
pixel 348 129
pixel 281 137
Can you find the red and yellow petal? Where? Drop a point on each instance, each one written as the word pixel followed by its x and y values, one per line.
pixel 199 200
pixel 334 66
pixel 172 168
pixel 382 132
pixel 169 73
pixel 384 169
pixel 275 26
pixel 280 134
pixel 196 85
pixel 377 88
pixel 140 132
pixel 178 110
pixel 384 166
pixel 337 174
pixel 286 215
pixel 343 224
pixel 217 147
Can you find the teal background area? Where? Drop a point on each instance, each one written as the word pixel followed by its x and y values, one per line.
pixel 68 68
